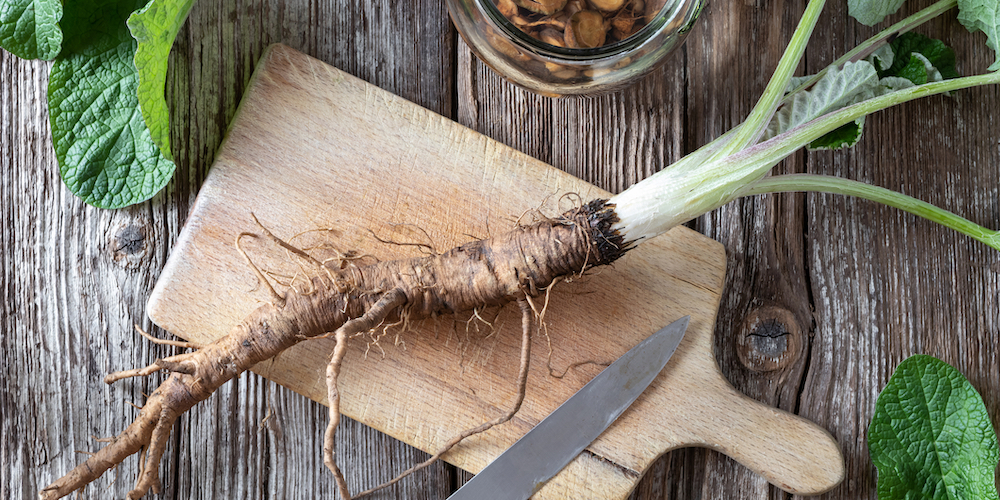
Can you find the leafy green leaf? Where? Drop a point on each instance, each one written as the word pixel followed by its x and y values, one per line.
pixel 845 136
pixel 29 29
pixel 155 27
pixel 983 15
pixel 871 12
pixel 931 436
pixel 920 59
pixel 915 70
pixel 105 151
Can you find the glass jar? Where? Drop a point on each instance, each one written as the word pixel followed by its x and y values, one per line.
pixel 555 71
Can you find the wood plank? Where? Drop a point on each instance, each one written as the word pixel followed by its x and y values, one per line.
pixel 71 299
pixel 729 66
pixel 76 280
pixel 886 284
pixel 862 290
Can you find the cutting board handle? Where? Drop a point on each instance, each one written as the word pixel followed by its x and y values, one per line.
pixel 789 451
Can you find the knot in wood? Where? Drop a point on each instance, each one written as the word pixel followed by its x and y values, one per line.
pixel 769 339
pixel 129 244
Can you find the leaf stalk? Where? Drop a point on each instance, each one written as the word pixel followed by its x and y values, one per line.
pixel 836 185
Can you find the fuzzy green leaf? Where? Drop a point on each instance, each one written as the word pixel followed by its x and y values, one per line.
pixel 931 436
pixel 29 29
pixel 911 59
pixel 838 88
pixel 155 27
pixel 871 12
pixel 106 154
pixel 983 15
pixel 882 58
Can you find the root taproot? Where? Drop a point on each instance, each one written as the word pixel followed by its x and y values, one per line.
pixel 512 267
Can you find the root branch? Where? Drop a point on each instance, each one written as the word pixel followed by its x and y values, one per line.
pixel 527 316
pixel 375 315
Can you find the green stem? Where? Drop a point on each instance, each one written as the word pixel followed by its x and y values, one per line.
pixel 836 185
pixel 697 184
pixel 786 143
pixel 760 116
pixel 869 46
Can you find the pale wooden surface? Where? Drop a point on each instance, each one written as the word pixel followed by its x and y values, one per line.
pixel 852 287
pixel 382 164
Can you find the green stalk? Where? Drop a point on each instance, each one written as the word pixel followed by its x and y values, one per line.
pixel 836 185
pixel 755 124
pixel 690 188
pixel 872 44
pixel 753 163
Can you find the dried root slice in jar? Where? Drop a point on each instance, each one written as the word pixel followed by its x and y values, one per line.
pixel 607 5
pixel 552 37
pixel 586 30
pixel 506 48
pixel 507 8
pixel 625 23
pixel 572 7
pixel 652 9
pixel 544 7
pixel 556 22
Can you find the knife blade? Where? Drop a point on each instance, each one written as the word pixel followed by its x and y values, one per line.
pixel 546 449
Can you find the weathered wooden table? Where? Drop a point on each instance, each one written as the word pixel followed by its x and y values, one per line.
pixel 852 287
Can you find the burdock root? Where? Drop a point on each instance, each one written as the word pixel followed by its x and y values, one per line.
pixel 512 267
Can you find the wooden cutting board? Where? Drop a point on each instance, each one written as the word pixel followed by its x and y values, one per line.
pixel 334 164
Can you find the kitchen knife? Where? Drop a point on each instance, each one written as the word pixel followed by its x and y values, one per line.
pixel 540 454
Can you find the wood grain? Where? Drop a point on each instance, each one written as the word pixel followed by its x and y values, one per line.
pixel 868 286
